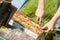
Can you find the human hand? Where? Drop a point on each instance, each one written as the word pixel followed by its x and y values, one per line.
pixel 49 26
pixel 39 14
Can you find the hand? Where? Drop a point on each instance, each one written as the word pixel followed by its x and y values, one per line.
pixel 49 26
pixel 39 14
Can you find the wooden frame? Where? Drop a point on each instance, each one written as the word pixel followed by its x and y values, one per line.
pixel 27 22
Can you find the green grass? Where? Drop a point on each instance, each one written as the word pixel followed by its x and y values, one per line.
pixel 31 5
pixel 58 38
pixel 29 8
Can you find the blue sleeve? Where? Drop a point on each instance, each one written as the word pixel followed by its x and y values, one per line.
pixel 58 3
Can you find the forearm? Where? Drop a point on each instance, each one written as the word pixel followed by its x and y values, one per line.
pixel 56 16
pixel 40 9
pixel 41 5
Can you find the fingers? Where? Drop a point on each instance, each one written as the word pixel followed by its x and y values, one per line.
pixel 49 29
pixel 37 18
pixel 40 21
pixel 46 29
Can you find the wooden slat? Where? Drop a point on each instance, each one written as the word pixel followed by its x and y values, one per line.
pixel 27 22
pixel 15 34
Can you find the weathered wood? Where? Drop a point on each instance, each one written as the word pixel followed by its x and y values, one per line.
pixel 15 34
pixel 27 22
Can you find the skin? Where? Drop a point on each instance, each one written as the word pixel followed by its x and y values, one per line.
pixel 40 14
pixel 40 10
pixel 50 24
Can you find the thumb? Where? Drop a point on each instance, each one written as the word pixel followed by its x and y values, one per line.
pixel 44 27
pixel 40 21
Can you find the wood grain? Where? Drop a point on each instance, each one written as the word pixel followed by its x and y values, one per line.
pixel 27 22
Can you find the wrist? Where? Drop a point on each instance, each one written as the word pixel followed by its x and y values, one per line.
pixel 55 18
pixel 52 21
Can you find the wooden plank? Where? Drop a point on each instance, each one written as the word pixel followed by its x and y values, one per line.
pixel 15 34
pixel 27 22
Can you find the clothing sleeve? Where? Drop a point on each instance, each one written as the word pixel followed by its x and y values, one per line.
pixel 58 3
